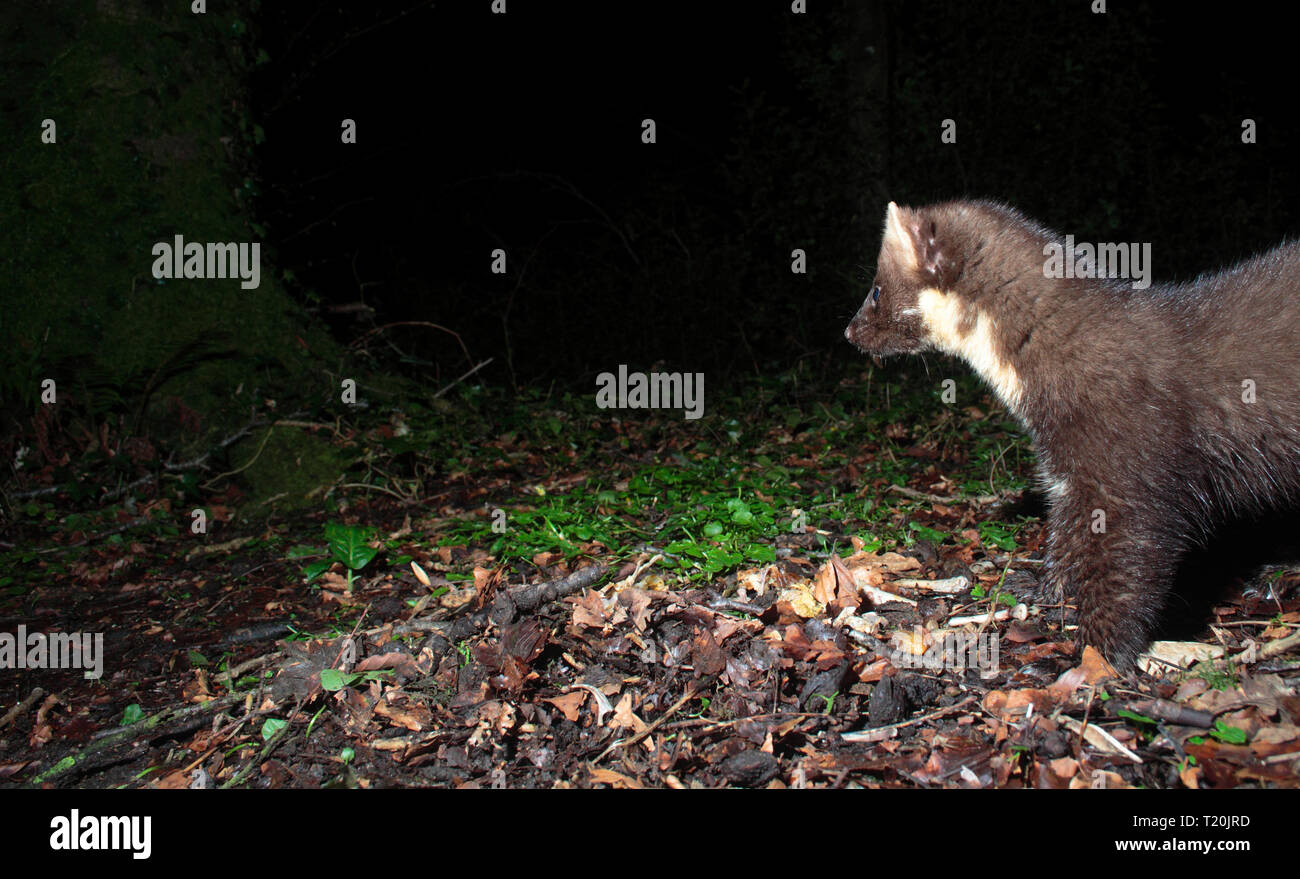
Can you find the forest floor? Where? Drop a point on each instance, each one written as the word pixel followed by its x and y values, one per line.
pixel 792 594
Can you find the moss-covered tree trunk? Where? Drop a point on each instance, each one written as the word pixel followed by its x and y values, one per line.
pixel 126 124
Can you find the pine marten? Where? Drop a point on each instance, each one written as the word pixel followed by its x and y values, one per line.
pixel 1157 411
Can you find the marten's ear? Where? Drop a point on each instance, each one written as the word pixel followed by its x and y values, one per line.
pixel 910 238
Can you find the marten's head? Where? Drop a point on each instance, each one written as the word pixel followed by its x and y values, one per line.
pixel 941 272
pixel 919 264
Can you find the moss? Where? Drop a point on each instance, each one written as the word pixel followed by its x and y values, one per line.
pixel 154 139
pixel 290 469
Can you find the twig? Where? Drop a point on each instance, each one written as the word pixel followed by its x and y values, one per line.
pixel 878 733
pixel 174 466
pixel 98 535
pixel 981 499
pixel 368 486
pixel 231 675
pixel 673 709
pixel 504 608
pixel 12 713
pixel 715 725
pixel 1281 645
pixel 414 323
pixel 462 378
pixel 245 465
pixel 271 744
pixel 1163 709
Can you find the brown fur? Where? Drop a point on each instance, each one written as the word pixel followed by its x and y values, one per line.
pixel 1133 398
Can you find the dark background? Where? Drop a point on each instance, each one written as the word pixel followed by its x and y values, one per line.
pixel 775 131
pixel 522 131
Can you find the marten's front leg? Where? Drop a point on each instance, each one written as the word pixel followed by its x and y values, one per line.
pixel 1118 560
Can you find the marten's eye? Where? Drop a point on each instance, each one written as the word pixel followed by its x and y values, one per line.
pixel 875 296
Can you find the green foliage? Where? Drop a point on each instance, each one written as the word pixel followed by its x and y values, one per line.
pixel 1135 716
pixel 995 595
pixel 271 726
pixel 1228 734
pixel 926 533
pixel 998 534
pixel 346 544
pixel 1216 674
pixel 704 707
pixel 713 500
pixel 331 679
pixel 829 702
pixel 349 544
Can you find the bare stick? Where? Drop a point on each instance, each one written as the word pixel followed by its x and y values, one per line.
pixel 462 378
pixel 22 706
pixel 504 608
pixel 676 706
pixel 414 323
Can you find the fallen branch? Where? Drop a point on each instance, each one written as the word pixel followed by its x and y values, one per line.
pixel 165 723
pixel 1163 709
pixel 981 499
pixel 504 610
pixel 881 733
pixel 1281 645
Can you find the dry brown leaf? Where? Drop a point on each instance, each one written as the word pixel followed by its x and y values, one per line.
pixel 413 717
pixel 625 718
pixel 616 779
pixel 1094 666
pixel 419 573
pixel 568 704
pixel 589 610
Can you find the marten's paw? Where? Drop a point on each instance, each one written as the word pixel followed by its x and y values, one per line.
pixel 1051 588
pixel 1120 636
